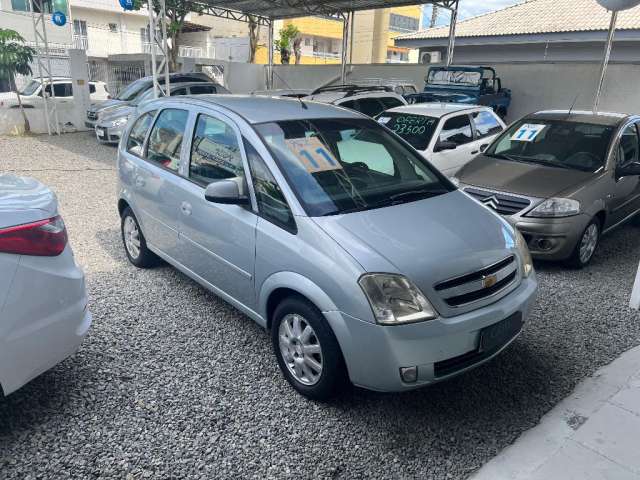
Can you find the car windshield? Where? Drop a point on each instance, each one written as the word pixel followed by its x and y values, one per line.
pixel 415 129
pixel 554 143
pixel 454 77
pixel 133 90
pixel 30 88
pixel 339 166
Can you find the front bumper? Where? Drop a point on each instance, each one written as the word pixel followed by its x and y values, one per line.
pixel 374 354
pixel 108 134
pixel 551 238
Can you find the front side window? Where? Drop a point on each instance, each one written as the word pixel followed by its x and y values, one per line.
pixel 390 102
pixel 62 89
pixel 215 152
pixel 554 143
pixel 271 202
pixel 628 146
pixel 415 129
pixel 486 124
pixel 165 140
pixel 369 106
pixel 138 133
pixel 92 88
pixel 457 130
pixel 339 166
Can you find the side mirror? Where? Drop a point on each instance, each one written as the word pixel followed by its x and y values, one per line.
pixel 484 147
pixel 445 145
pixel 629 170
pixel 226 192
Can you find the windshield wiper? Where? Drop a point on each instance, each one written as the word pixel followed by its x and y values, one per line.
pixel 412 195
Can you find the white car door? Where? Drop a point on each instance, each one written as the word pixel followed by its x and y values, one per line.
pixel 487 125
pixel 453 144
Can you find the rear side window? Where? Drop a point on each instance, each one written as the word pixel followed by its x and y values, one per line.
pixel 138 133
pixel 63 89
pixel 202 89
pixel 215 153
pixel 92 88
pixel 628 147
pixel 179 91
pixel 271 202
pixel 165 140
pixel 486 124
pixel 390 102
pixel 457 130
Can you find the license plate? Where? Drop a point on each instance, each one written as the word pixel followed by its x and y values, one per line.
pixel 495 336
pixel 100 132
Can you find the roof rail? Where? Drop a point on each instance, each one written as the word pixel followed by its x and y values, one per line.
pixel 352 89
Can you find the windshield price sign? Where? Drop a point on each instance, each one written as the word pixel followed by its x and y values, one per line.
pixel 411 124
pixel 312 154
pixel 527 132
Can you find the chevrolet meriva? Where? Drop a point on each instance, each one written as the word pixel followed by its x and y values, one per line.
pixel 365 263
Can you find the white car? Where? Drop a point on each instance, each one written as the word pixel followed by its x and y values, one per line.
pixel 31 94
pixel 43 301
pixel 367 99
pixel 449 135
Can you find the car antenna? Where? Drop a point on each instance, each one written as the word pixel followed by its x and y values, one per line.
pixel 304 106
pixel 573 104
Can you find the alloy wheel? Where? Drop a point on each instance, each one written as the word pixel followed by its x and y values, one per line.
pixel 588 243
pixel 300 349
pixel 131 235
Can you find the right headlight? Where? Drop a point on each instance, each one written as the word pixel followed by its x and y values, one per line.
pixel 525 255
pixel 395 300
pixel 555 208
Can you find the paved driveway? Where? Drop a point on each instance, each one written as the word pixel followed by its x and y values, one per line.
pixel 173 382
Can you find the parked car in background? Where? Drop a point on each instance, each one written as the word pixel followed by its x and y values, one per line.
pixel 366 99
pixel 139 88
pixel 448 135
pixel 562 178
pixel 465 84
pixel 43 302
pixel 112 122
pixel 31 94
pixel 364 261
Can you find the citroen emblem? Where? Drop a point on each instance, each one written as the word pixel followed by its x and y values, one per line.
pixel 492 202
pixel 489 281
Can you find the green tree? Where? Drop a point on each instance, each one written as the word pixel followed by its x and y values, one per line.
pixel 176 13
pixel 15 58
pixel 286 41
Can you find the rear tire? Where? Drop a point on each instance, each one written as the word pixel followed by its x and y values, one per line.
pixel 307 351
pixel 135 245
pixel 586 246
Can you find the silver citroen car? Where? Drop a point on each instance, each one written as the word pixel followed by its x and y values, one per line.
pixel 364 262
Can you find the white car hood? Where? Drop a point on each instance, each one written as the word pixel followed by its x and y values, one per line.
pixel 24 200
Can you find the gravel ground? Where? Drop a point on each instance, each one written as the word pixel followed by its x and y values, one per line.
pixel 173 382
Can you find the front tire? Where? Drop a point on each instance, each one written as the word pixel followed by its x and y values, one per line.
pixel 135 245
pixel 306 349
pixel 587 245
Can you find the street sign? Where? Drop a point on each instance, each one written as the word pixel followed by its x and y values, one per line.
pixel 59 19
pixel 126 4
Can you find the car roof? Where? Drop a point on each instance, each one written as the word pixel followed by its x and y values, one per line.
pixel 436 110
pixel 260 109
pixel 581 116
pixel 331 97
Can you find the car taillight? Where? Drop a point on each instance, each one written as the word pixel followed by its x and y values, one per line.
pixel 44 238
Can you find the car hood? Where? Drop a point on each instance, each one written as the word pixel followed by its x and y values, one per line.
pixel 428 241
pixel 523 178
pixel 107 104
pixel 24 200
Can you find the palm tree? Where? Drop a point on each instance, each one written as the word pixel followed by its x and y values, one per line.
pixel 15 58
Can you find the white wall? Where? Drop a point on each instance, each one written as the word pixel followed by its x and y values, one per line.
pixel 21 22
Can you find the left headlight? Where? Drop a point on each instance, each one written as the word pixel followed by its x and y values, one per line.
pixel 525 255
pixel 555 208
pixel 395 300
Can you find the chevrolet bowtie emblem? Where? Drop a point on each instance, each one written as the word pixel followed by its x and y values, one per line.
pixel 489 281
pixel 492 202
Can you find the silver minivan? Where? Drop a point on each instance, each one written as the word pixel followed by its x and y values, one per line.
pixel 364 262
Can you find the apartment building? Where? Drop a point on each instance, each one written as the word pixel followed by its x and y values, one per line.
pixel 373 37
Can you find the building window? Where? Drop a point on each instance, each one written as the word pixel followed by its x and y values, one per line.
pixel 24 6
pixel 307 41
pixel 402 23
pixel 113 27
pixel 80 38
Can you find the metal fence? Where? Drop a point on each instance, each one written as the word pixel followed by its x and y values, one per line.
pixel 116 75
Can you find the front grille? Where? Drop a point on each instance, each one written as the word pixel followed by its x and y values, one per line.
pixel 476 286
pixel 92 115
pixel 500 202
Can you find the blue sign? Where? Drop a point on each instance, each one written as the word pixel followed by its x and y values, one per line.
pixel 126 4
pixel 59 19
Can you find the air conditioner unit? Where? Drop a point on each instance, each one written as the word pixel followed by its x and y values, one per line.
pixel 430 57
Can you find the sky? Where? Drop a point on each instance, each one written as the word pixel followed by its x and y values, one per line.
pixel 469 8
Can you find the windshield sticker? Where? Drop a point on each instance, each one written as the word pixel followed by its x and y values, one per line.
pixel 313 154
pixel 527 132
pixel 384 120
pixel 411 124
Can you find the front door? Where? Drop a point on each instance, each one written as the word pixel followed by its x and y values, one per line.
pixel 625 199
pixel 217 242
pixel 458 130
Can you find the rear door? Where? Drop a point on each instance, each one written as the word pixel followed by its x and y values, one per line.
pixel 456 129
pixel 217 242
pixel 625 200
pixel 486 125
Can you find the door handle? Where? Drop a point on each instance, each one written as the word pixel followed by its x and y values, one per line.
pixel 185 208
pixel 139 182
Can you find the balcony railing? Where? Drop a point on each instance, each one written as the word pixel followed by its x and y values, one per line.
pixel 184 50
pixel 325 55
pixel 81 42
